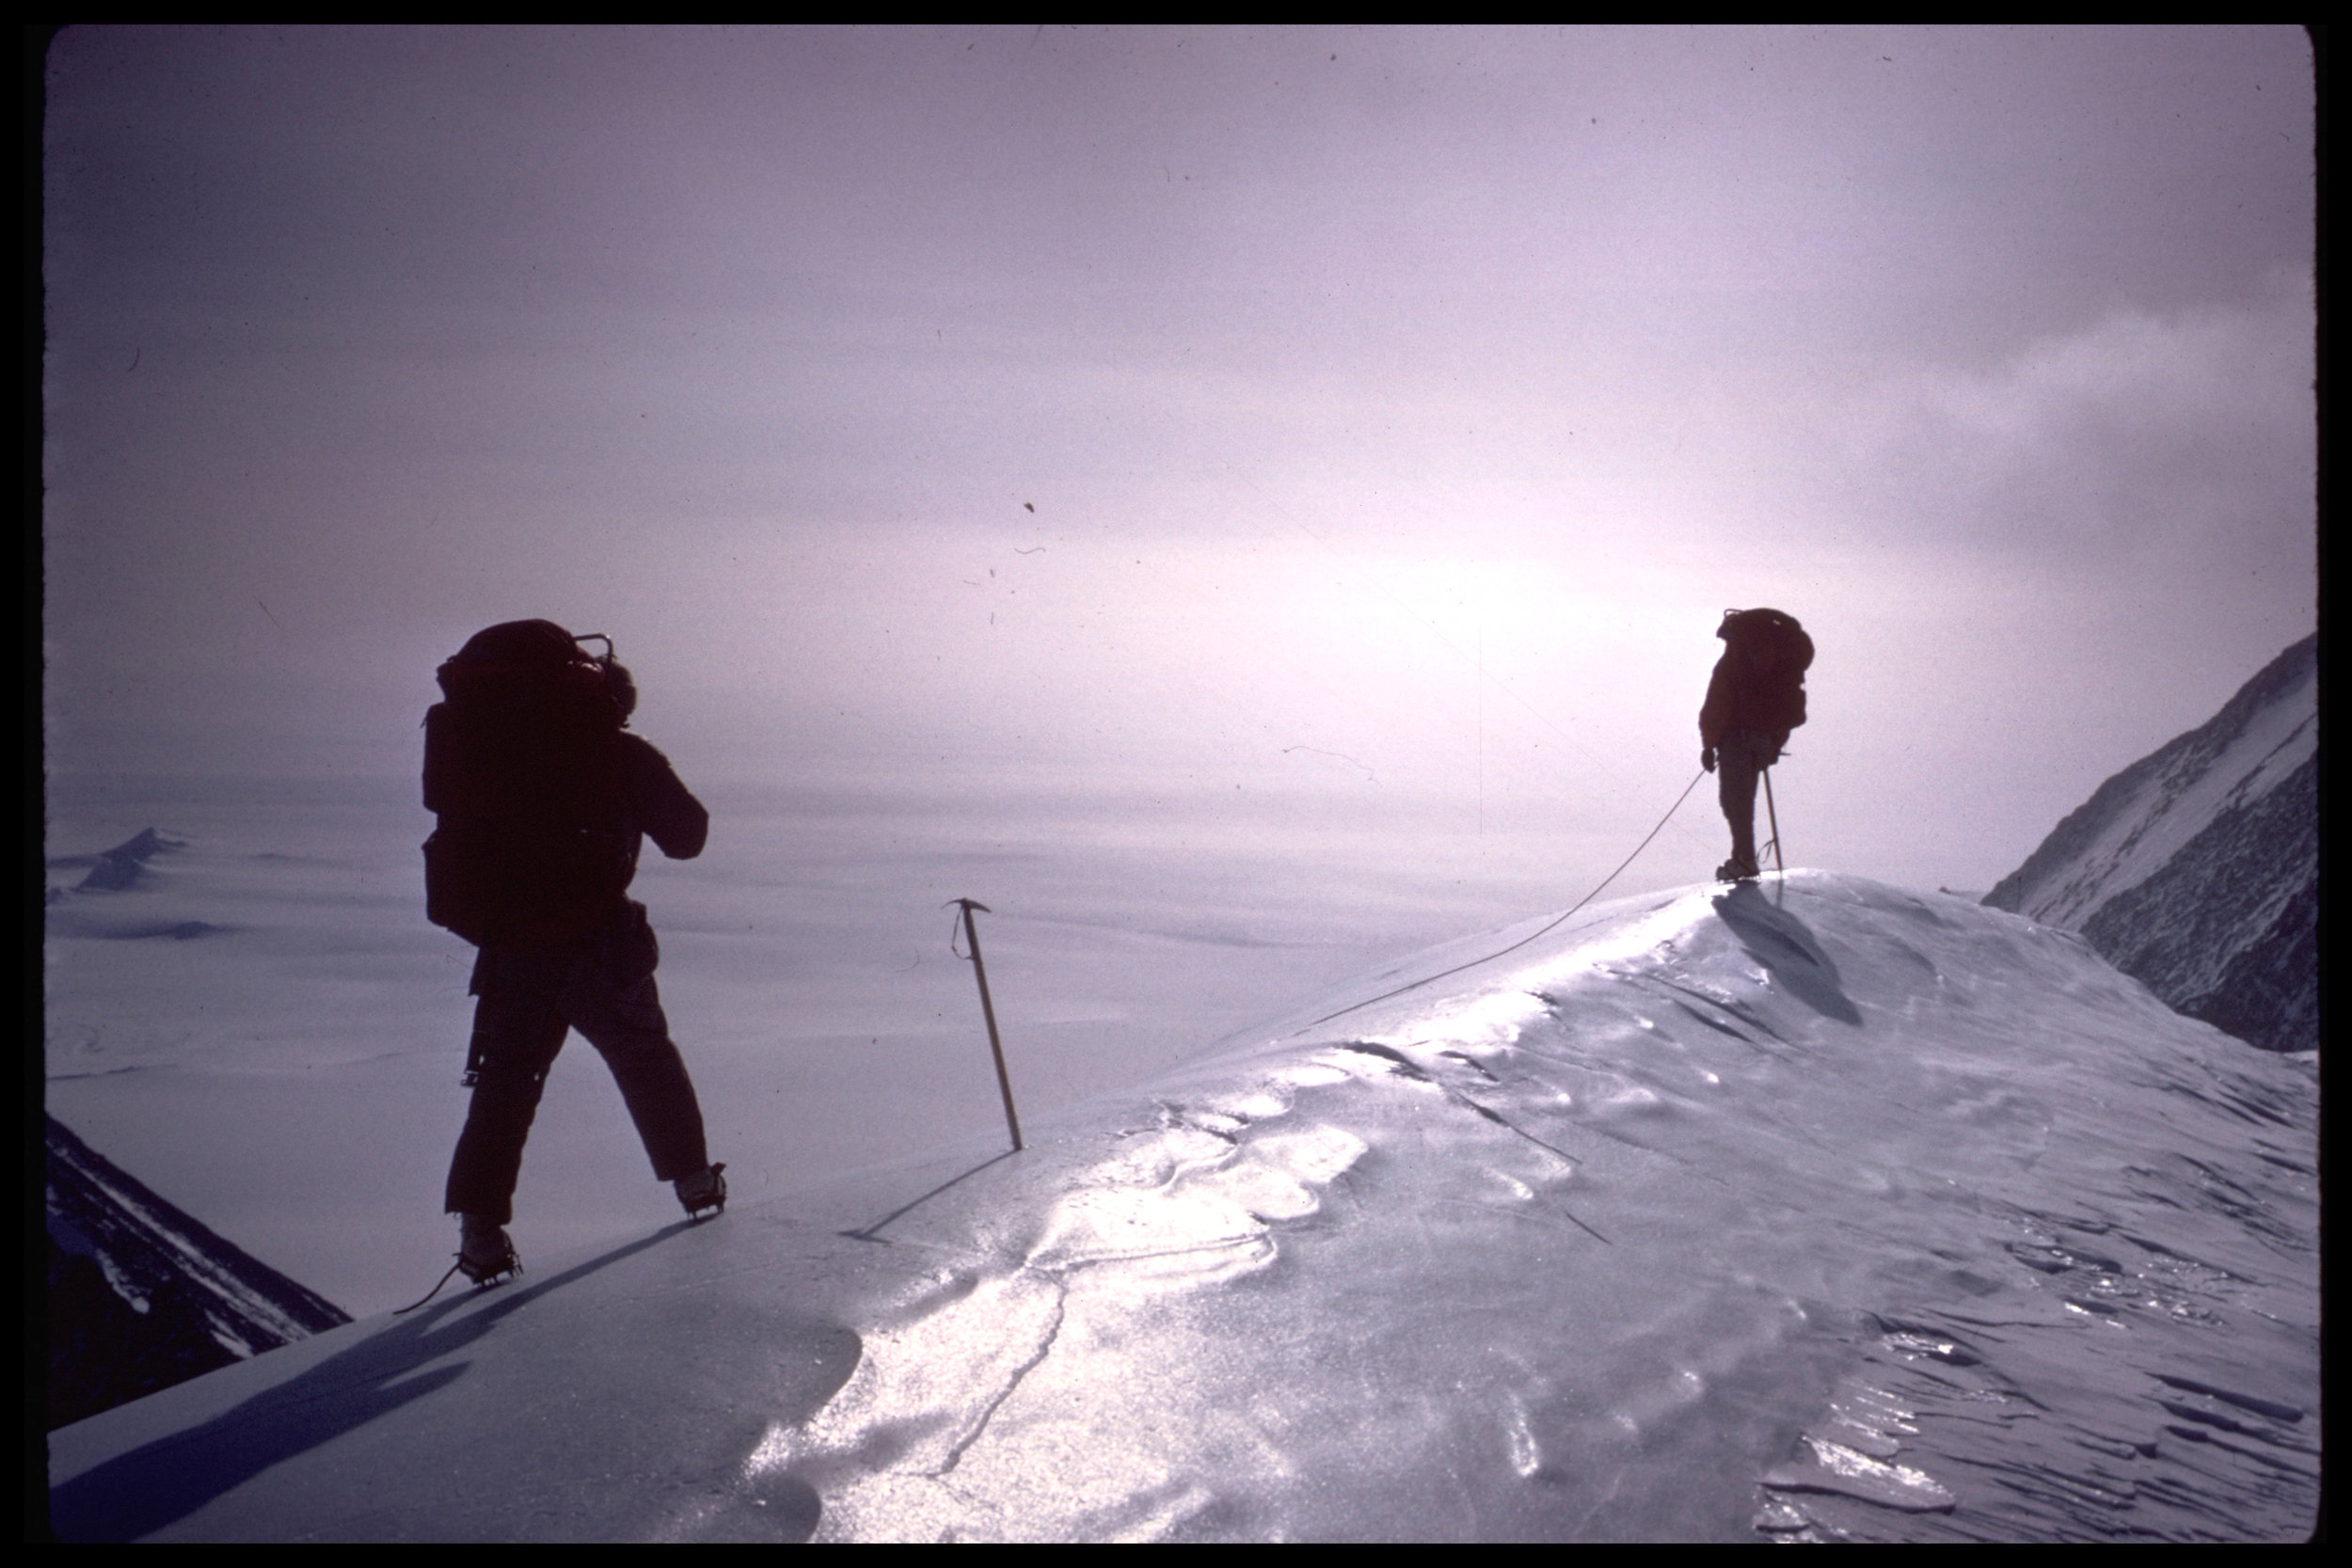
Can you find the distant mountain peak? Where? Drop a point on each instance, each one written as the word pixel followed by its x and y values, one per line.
pixel 119 867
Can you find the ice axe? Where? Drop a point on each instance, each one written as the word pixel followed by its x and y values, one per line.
pixel 988 1009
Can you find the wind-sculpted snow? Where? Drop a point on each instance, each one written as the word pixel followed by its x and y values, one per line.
pixel 1813 1208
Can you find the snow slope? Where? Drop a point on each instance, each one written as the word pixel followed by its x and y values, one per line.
pixel 1814 1207
pixel 2196 868
pixel 142 1295
pixel 272 972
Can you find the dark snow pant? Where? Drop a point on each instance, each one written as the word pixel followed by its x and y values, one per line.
pixel 602 986
pixel 1737 765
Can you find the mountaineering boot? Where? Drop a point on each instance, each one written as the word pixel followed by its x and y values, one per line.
pixel 704 1192
pixel 1736 870
pixel 485 1255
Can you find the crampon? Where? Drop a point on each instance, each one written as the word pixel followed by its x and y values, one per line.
pixel 702 1193
pixel 485 1255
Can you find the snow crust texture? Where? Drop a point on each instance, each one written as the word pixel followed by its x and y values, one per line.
pixel 1814 1209
pixel 2196 870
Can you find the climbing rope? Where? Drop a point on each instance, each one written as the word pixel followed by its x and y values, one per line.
pixel 1473 964
pixel 401 1312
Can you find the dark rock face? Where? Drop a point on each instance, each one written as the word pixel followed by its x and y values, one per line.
pixel 104 1352
pixel 119 867
pixel 2211 932
pixel 141 1296
pixel 2196 870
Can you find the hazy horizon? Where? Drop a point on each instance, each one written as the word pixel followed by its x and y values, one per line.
pixel 1378 420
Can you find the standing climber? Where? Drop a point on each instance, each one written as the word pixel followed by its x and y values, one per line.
pixel 543 799
pixel 1755 697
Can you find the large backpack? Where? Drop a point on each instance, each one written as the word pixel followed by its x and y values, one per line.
pixel 522 769
pixel 1772 653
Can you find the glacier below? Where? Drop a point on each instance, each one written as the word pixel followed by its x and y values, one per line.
pixel 1810 1208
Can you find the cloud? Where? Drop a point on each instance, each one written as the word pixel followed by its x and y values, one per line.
pixel 2187 435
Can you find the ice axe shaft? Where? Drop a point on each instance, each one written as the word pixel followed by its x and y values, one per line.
pixel 988 1011
pixel 1780 861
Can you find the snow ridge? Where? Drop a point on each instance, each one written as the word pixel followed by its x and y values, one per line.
pixel 1811 1208
pixel 2040 1399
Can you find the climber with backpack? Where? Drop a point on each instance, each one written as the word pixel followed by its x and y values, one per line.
pixel 542 798
pixel 1755 698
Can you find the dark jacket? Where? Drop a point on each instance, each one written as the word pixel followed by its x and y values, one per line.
pixel 1750 707
pixel 659 806
pixel 1756 695
pixel 537 844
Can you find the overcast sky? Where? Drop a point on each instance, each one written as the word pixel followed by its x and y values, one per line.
pixel 1388 414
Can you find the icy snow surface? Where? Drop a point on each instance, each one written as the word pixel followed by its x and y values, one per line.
pixel 1812 1208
